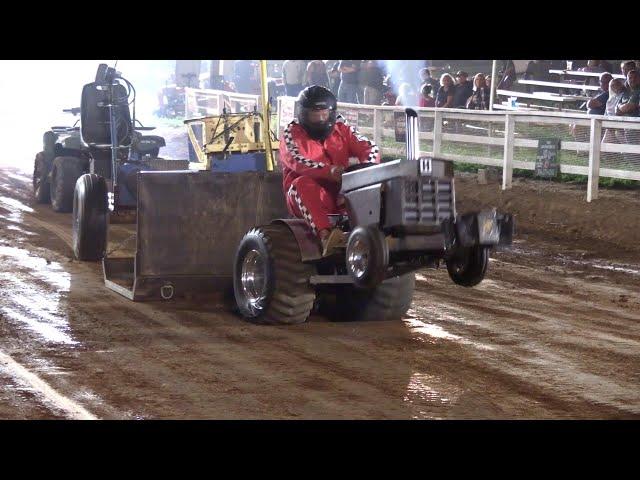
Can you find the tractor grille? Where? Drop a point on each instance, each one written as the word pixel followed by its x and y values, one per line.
pixel 427 201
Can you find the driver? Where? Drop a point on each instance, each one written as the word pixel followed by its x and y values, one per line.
pixel 314 151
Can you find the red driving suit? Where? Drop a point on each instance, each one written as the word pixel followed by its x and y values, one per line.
pixel 309 190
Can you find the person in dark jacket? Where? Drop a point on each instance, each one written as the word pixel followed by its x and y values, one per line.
pixel 464 89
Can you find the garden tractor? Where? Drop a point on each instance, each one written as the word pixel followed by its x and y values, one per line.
pixel 225 228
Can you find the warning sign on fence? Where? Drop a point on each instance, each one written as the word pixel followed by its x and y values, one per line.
pixel 400 126
pixel 547 165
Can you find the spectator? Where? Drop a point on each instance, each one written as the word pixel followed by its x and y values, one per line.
pixel 407 96
pixel 244 76
pixel 539 70
pixel 348 91
pixel 388 93
pixel 464 89
pixel 373 82
pixel 577 65
pixel 606 66
pixel 616 89
pixel 426 100
pixel 597 104
pixel 508 76
pixel 317 74
pixel 425 77
pixel 628 106
pixel 334 78
pixel 628 103
pixel 479 100
pixel 444 98
pixel 293 74
pixel 362 79
pixel 625 68
pixel 593 66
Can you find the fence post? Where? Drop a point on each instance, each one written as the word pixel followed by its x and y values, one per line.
pixel 437 132
pixel 507 168
pixel 594 159
pixel 377 126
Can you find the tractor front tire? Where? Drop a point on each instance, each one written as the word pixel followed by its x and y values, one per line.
pixel 90 217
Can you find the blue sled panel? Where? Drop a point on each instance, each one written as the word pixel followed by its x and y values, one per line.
pixel 240 162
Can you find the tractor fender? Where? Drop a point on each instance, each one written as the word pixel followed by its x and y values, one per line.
pixel 308 243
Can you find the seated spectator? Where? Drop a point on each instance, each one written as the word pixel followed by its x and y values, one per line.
pixel 426 100
pixel 464 89
pixel 593 66
pixel 597 104
pixel 426 78
pixel 406 96
pixel 576 65
pixel 479 100
pixel 606 66
pixel 538 70
pixel 444 98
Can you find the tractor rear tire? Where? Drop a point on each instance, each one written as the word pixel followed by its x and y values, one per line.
pixel 64 174
pixel 390 300
pixel 41 185
pixel 90 216
pixel 270 282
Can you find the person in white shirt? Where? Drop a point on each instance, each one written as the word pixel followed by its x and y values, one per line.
pixel 293 76
pixel 616 88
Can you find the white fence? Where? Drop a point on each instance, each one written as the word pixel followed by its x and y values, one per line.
pixel 202 102
pixel 505 139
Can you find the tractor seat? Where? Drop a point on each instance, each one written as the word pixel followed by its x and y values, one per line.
pixel 72 142
pixel 148 144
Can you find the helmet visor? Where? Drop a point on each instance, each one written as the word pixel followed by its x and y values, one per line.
pixel 318 116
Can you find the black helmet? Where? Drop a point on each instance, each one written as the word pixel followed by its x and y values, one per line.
pixel 316 98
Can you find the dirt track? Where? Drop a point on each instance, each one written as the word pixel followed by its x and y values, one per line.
pixel 553 332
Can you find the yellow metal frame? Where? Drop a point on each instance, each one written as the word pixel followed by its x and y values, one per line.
pixel 266 110
pixel 243 132
pixel 241 127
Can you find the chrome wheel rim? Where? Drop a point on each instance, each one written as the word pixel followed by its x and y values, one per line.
pixel 358 258
pixel 253 278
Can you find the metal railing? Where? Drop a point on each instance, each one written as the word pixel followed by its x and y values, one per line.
pixel 592 145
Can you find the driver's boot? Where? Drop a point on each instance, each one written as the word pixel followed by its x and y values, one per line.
pixel 337 239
